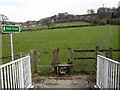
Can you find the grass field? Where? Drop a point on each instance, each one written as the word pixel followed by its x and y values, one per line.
pixel 59 25
pixel 77 38
pixel 71 24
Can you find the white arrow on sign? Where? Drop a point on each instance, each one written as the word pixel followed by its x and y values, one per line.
pixel 4 28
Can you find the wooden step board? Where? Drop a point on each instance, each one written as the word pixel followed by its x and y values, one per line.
pixel 63 65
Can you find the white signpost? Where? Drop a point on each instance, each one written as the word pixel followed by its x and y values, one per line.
pixel 10 29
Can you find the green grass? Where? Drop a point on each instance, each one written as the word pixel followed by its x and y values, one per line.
pixel 71 24
pixel 77 38
pixel 33 28
pixel 59 25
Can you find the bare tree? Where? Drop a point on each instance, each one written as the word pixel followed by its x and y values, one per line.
pixel 90 11
pixel 3 18
pixel 48 22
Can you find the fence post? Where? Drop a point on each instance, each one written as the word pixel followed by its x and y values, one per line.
pixel 70 55
pixel 110 52
pixel 107 54
pixel 19 55
pixel 33 58
pixel 96 52
pixel 55 58
pixel 70 59
pixel 58 55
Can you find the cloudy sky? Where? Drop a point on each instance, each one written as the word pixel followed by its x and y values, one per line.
pixel 24 10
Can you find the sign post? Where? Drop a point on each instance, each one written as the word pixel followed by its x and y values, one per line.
pixel 11 47
pixel 10 29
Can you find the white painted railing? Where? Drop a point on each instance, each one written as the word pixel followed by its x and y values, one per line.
pixel 16 74
pixel 108 73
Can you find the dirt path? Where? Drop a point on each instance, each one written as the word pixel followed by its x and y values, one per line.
pixel 76 81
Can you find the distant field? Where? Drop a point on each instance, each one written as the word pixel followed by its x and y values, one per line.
pixel 77 38
pixel 71 24
pixel 59 25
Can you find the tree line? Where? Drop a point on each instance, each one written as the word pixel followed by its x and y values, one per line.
pixel 104 15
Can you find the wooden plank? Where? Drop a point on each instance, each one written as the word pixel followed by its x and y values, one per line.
pixel 25 54
pixel 44 59
pixel 84 65
pixel 116 50
pixel 8 57
pixel 116 57
pixel 45 66
pixel 63 65
pixel 87 71
pixel 84 50
pixel 44 52
pixel 85 58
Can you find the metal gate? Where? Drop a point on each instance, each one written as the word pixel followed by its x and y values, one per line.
pixel 108 73
pixel 16 74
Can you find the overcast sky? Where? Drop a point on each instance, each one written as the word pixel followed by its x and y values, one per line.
pixel 24 10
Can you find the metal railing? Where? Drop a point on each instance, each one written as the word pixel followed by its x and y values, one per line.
pixel 108 73
pixel 16 74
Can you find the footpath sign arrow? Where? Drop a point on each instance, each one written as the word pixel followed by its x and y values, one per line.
pixel 9 28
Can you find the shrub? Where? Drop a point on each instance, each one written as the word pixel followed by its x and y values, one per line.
pixel 102 22
pixel 115 21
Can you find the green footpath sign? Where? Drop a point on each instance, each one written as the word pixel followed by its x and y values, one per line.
pixel 8 28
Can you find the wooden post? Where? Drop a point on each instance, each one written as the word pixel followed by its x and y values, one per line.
pixel 54 57
pixel 55 60
pixel 70 55
pixel 110 52
pixel 96 53
pixel 70 59
pixel 97 50
pixel 58 56
pixel 33 57
pixel 107 54
pixel 19 55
